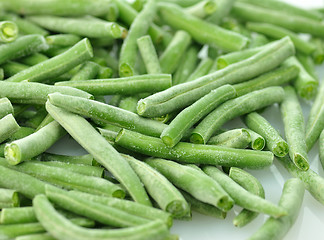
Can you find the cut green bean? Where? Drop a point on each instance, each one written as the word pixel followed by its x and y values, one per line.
pixel 129 103
pixel 251 184
pixel 182 95
pixel 24 26
pixel 28 147
pixel 234 57
pixel 8 126
pixel 223 9
pixel 277 32
pixel 108 114
pixel 62 40
pixel 138 28
pixel 25 92
pixel 14 215
pixel 86 159
pixel 258 40
pixel 201 70
pixel 321 148
pixel 242 197
pixel 89 70
pixel 57 65
pixel 101 150
pixel 194 182
pixel 212 34
pixel 203 9
pixel 296 23
pixel 318 55
pixel 257 141
pixel 308 63
pixel 291 200
pixel 79 26
pixel 149 55
pixel 172 134
pixel 96 211
pixel 274 141
pixel 170 58
pixel 276 77
pixel 315 122
pixel 127 206
pixel 23 46
pixel 194 153
pixel 124 86
pixel 8 31
pixel 11 68
pixel 235 138
pixel 33 59
pixel 161 190
pixel 5 107
pixel 62 228
pixel 9 198
pixel 234 108
pixel 187 65
pixel 294 129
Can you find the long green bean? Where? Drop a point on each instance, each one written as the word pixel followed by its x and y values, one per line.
pixel 242 197
pixel 193 153
pixel 8 126
pixel 182 95
pixel 233 108
pixel 101 150
pixel 149 55
pixel 294 128
pixel 193 181
pixel 212 34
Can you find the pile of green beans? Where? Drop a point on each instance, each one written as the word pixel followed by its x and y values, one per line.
pixel 169 99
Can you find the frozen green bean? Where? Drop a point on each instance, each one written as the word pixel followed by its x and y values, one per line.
pixel 5 107
pixel 308 63
pixel 8 31
pixel 235 138
pixel 11 68
pixel 8 126
pixel 33 59
pixel 201 70
pixel 194 153
pixel 294 128
pixel 89 70
pixel 257 141
pixel 9 198
pixel 223 9
pixel 14 215
pixel 149 55
pixel 318 55
pixel 86 159
pixel 203 9
pixel 234 108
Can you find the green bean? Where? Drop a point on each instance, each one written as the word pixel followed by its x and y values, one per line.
pixel 36 236
pixel 275 77
pixel 93 171
pixel 182 95
pixel 235 26
pixel 25 92
pixel 8 126
pixel 14 215
pixel 62 40
pixel 274 141
pixel 285 8
pixel 251 184
pixel 193 153
pixel 172 134
pixel 28 147
pixel 24 26
pixel 294 23
pixel 294 128
pixel 129 103
pixel 213 35
pixel 234 108
pixel 34 121
pixel 127 206
pixel 124 86
pixel 187 65
pixel 5 107
pixel 86 159
pixel 79 26
pixel 149 55
pixel 45 121
pixel 235 138
pixel 170 58
pixel 308 63
pixel 318 55
pixel 33 59
pixel 257 141
pixel 96 211
pixel 11 68
pixel 321 148
pixel 108 114
pixel 57 7
pixel 101 150
pixel 14 230
pixel 193 181
pixel 13 179
pixel 201 70
pixel 234 57
pixel 57 65
pixel 277 32
pixel 203 9
pixel 61 228
pixel 8 31
pixel 242 197
pixel 203 208
pixel 9 198
pixel 223 9
pixel 291 200
pixel 315 122
pixel 23 46
pixel 89 70
pixel 312 181
pixel 138 28
pixel 161 190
